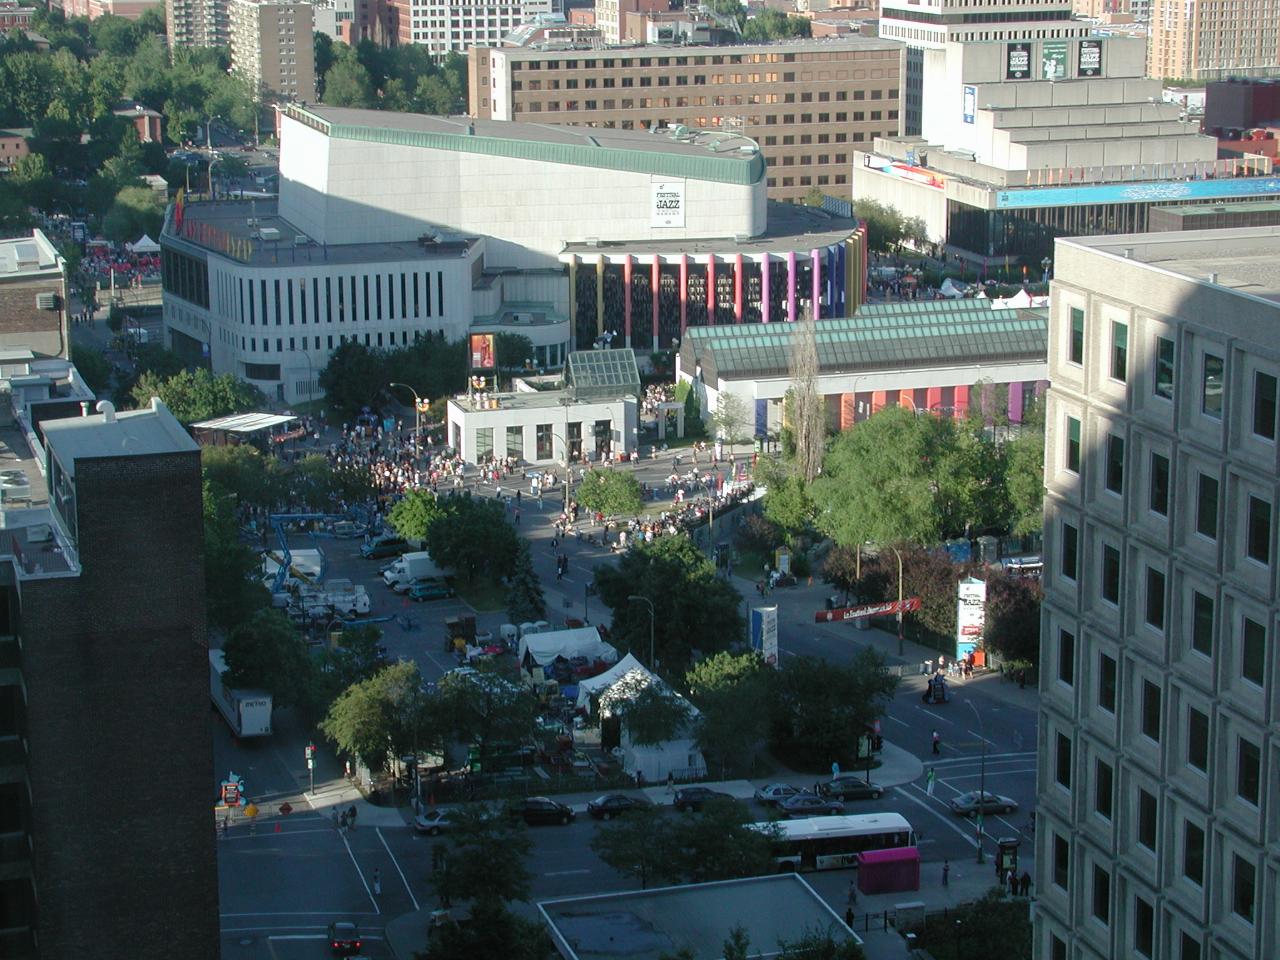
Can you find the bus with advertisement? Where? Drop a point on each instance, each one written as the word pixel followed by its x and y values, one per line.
pixel 833 843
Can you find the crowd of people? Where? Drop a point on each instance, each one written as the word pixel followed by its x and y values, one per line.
pixel 131 269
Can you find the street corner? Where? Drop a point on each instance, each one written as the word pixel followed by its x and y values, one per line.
pixel 898 766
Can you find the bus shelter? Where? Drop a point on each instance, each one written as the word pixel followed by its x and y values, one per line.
pixel 889 871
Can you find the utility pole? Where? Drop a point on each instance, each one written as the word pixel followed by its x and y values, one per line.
pixel 982 780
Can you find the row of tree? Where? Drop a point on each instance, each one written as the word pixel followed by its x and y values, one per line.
pixel 469 534
pixel 403 77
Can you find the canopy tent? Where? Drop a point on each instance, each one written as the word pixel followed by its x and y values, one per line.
pixel 952 290
pixel 593 686
pixel 544 648
pixel 143 244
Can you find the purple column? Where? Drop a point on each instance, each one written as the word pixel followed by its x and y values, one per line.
pixel 1015 402
pixel 791 286
pixel 816 261
pixel 764 288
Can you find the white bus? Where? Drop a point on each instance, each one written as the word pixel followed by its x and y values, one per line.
pixel 829 843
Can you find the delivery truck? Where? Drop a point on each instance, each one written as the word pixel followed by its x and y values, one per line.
pixel 412 566
pixel 247 712
pixel 341 596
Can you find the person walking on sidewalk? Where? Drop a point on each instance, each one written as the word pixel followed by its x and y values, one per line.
pixel 937 742
pixel 946 873
pixel 377 882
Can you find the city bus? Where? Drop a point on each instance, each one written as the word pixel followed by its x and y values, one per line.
pixel 830 843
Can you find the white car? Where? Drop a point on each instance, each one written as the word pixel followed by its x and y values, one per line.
pixel 773 794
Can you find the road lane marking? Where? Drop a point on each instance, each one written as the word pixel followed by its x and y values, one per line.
pixel 295 913
pixel 359 872
pixel 566 873
pixel 896 720
pixel 396 863
pixel 937 716
pixel 990 757
pixel 945 822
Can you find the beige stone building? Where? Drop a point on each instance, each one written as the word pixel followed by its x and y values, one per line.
pixel 1214 39
pixel 807 103
pixel 196 23
pixel 273 47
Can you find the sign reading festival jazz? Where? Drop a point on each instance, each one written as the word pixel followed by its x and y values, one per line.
pixel 1089 59
pixel 1017 61
pixel 668 203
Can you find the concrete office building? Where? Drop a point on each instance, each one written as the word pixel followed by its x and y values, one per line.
pixel 1158 817
pixel 1214 39
pixel 102 622
pixel 273 48
pixel 807 103
pixel 197 23
pixel 454 26
pixel 928 27
pixel 33 297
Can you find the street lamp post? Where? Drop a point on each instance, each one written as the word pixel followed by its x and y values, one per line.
pixel 901 643
pixel 649 603
pixel 212 161
pixel 1046 263
pixel 982 781
pixel 418 405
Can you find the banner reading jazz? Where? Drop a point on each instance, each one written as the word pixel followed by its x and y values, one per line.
pixel 764 633
pixel 1089 59
pixel 1017 61
pixel 971 615
pixel 668 203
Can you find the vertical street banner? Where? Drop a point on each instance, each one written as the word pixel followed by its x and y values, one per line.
pixel 971 615
pixel 970 103
pixel 1017 63
pixel 1053 60
pixel 667 203
pixel 483 354
pixel 764 633
pixel 1089 59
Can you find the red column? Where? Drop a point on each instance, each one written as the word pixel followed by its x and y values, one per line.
pixel 961 402
pixel 711 290
pixel 626 299
pixel 684 293
pixel 737 288
pixel 879 400
pixel 848 410
pixel 933 398
pixel 907 400
pixel 653 283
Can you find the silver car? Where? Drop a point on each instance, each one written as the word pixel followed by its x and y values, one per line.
pixel 971 803
pixel 772 794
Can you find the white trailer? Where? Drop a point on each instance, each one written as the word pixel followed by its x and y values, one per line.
pixel 342 596
pixel 412 566
pixel 247 712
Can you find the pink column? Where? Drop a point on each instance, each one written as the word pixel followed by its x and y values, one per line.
pixel 791 286
pixel 737 288
pixel 711 290
pixel 654 284
pixel 626 299
pixel 933 399
pixel 879 400
pixel 684 293
pixel 848 410
pixel 961 403
pixel 816 272
pixel 764 288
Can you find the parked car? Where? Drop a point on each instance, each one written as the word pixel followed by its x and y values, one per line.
pixel 971 803
pixel 692 798
pixel 612 804
pixel 535 810
pixel 772 794
pixel 344 939
pixel 850 786
pixel 808 805
pixel 432 823
pixel 430 589
pixel 383 547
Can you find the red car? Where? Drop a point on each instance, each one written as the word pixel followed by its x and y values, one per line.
pixel 344 939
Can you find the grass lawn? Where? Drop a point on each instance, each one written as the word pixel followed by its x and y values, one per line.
pixel 484 594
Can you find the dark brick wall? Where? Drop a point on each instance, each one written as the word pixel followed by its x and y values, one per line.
pixel 116 667
pixel 21 324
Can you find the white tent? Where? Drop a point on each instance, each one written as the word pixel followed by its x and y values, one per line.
pixel 143 244
pixel 593 686
pixel 951 289
pixel 543 648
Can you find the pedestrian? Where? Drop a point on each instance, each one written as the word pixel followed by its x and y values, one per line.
pixel 853 893
pixel 946 873
pixel 937 743
pixel 930 780
pixel 848 917
pixel 377 882
pixel 1012 879
pixel 342 821
pixel 1024 884
pixel 1022 679
pixel 671 781
pixel 351 816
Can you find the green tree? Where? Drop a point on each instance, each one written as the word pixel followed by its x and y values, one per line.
pixel 474 537
pixel 1013 617
pixel 693 607
pixel 615 493
pixel 267 653
pixel 820 944
pixel 34 180
pixel 325 58
pixel 486 711
pixel 486 858
pixel 374 719
pixel 525 600
pixel 771 24
pixel 993 926
pixel 728 690
pixel 412 515
pixel 347 84
pixel 356 659
pixel 233 590
pixel 135 211
pixel 492 931
pixel 819 709
pixel 1024 476
pixel 93 366
pixel 721 844
pixel 240 469
pixel 197 395
pixel 731 419
pixel 638 845
pixel 354 377
pixel 652 714
pixel 434 96
pixel 885 225
pixel 511 350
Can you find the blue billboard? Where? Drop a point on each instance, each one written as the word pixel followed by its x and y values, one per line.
pixel 1150 192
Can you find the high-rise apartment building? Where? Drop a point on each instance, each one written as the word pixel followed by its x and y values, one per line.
pixel 1158 816
pixel 197 23
pixel 454 26
pixel 273 48
pixel 805 102
pixel 1214 39
pixel 929 25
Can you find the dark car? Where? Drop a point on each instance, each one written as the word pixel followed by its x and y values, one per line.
pixel 692 798
pixel 384 547
pixel 972 803
pixel 848 786
pixel 807 805
pixel 430 589
pixel 535 810
pixel 344 939
pixel 612 804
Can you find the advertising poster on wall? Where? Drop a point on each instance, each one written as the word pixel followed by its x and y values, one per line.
pixel 482 352
pixel 764 633
pixel 971 615
pixel 1053 60
pixel 668 203
pixel 1089 59
pixel 970 103
pixel 1017 63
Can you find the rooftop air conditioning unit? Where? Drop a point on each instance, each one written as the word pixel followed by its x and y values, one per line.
pixel 592 241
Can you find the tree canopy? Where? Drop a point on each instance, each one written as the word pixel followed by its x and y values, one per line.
pixel 728 690
pixel 357 376
pixel 525 599
pixel 195 395
pixel 615 493
pixel 474 537
pixel 267 653
pixel 378 717
pixel 412 515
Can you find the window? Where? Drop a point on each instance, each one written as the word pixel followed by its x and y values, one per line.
pixel 1115 464
pixel 1243 888
pixel 1258 531
pixel 1144 927
pixel 1164 368
pixel 1073 444
pixel 1207 507
pixel 1264 405
pixel 484 443
pixel 1057 948
pixel 1101 894
pixel 1061 861
pixel 1248 770
pixel 1075 350
pixel 1158 496
pixel 543 439
pixel 1155 598
pixel 1189 948
pixel 1063 767
pixel 1107 682
pixel 515 442
pixel 1146 819
pixel 1150 710
pixel 1211 387
pixel 1197 739
pixel 1103 784
pixel 1070 550
pixel 1193 853
pixel 1119 351
pixel 1253 647
pixel 1066 657
pixel 1110 574
pixel 1201 623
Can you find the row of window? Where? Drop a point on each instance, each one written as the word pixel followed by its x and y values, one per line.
pixel 821 180
pixel 355 298
pixel 263 345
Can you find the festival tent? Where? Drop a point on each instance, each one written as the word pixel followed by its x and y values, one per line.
pixel 544 648
pixel 952 290
pixel 143 244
